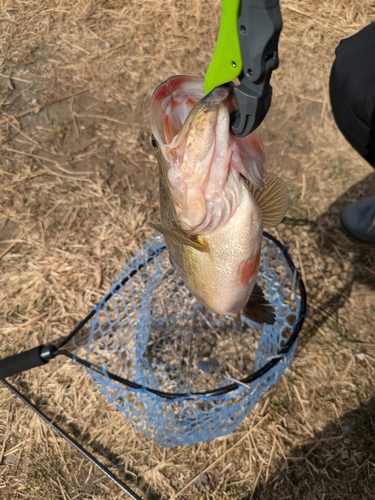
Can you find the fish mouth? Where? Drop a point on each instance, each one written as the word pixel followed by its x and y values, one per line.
pixel 205 164
pixel 174 98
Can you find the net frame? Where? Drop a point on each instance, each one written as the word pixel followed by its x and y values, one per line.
pixel 179 410
pixel 288 344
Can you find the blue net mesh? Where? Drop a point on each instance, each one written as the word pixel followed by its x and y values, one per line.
pixel 154 332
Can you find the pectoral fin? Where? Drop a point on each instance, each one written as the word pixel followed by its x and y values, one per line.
pixel 273 200
pixel 258 309
pixel 179 235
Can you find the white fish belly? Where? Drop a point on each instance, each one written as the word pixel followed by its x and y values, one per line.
pixel 223 278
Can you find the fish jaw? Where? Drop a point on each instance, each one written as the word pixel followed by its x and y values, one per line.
pixel 204 198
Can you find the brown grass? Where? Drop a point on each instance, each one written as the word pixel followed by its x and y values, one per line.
pixel 78 184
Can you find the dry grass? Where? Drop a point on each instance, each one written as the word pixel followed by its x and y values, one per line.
pixel 78 184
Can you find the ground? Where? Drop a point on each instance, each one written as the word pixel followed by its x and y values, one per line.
pixel 78 185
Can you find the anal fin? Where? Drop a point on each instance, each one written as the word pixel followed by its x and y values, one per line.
pixel 258 309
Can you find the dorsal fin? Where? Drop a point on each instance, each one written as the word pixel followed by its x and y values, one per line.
pixel 197 242
pixel 273 200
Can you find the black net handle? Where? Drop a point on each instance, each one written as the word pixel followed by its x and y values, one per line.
pixel 73 442
pixel 26 360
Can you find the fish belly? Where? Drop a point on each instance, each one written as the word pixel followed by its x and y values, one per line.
pixel 223 278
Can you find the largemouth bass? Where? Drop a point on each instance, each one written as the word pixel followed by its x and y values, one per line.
pixel 215 197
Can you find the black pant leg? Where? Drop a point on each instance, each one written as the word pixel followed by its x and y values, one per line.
pixel 352 91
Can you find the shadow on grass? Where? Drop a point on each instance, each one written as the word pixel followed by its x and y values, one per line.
pixel 354 261
pixel 339 463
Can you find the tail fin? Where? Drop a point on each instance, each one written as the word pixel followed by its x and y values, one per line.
pixel 258 309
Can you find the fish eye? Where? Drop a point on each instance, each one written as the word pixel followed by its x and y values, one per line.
pixel 154 143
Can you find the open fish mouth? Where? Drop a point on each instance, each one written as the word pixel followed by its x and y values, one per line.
pixel 205 162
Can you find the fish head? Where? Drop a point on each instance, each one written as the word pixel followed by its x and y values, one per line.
pixel 203 163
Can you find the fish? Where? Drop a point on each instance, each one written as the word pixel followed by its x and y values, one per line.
pixel 215 197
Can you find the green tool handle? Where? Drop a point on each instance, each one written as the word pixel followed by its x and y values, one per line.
pixel 226 62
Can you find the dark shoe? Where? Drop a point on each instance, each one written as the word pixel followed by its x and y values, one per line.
pixel 359 219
